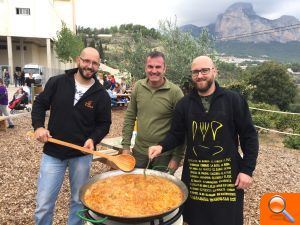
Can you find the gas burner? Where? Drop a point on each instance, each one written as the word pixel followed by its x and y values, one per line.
pixel 174 218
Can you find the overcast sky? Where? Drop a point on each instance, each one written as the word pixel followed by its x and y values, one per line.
pixel 107 13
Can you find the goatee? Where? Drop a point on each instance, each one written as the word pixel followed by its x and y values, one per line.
pixel 82 74
pixel 205 88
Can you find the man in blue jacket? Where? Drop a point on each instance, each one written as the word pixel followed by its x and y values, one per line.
pixel 215 122
pixel 80 113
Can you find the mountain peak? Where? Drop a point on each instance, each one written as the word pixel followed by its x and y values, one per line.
pixel 240 22
pixel 289 19
pixel 246 7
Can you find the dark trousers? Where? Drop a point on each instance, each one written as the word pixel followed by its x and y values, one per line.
pixel 159 163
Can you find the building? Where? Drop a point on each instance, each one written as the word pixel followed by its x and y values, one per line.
pixel 27 31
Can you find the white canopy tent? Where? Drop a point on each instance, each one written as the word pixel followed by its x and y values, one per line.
pixel 111 70
pixel 117 73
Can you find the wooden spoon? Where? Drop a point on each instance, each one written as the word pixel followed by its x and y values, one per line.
pixel 123 162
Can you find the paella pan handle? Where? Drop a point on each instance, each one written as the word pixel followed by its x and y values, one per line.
pixel 78 213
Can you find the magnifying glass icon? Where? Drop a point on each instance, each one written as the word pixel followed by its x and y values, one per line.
pixel 277 205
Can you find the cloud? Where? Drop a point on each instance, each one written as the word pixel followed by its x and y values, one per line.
pixel 202 13
pixel 95 13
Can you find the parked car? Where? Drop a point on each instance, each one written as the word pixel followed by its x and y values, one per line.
pixel 37 72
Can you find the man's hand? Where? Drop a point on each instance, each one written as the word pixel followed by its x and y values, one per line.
pixel 89 143
pixel 126 152
pixel 154 151
pixel 42 134
pixel 243 181
pixel 173 165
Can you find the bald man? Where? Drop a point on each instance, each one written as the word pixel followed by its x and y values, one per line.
pixel 80 113
pixel 215 121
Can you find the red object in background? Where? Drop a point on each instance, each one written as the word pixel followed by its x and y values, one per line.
pixel 14 103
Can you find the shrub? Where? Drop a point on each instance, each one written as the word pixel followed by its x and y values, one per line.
pixel 292 142
pixel 262 120
pixel 285 121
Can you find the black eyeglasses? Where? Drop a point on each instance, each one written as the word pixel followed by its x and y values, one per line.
pixel 203 71
pixel 89 62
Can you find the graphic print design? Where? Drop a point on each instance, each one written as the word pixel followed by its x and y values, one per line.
pixel 210 179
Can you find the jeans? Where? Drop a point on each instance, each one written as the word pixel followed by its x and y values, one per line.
pixel 3 109
pixel 50 179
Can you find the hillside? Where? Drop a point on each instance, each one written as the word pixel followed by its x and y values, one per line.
pixel 282 52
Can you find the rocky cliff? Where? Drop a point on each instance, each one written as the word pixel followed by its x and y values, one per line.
pixel 240 22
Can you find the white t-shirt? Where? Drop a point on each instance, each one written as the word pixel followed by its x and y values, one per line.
pixel 80 89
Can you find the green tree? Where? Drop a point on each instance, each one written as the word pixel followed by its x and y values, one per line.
pixel 181 48
pixel 273 85
pixel 114 29
pixel 67 45
pixel 227 72
pixel 133 54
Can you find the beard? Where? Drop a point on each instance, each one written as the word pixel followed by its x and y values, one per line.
pixel 81 72
pixel 204 86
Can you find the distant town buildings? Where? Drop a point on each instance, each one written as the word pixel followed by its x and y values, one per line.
pixel 241 62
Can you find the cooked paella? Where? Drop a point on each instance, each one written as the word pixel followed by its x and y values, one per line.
pixel 133 195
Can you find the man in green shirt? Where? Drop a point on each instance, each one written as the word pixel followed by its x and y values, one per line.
pixel 153 100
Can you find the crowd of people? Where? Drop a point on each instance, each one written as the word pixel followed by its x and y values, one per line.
pixel 115 89
pixel 20 98
pixel 19 78
pixel 204 127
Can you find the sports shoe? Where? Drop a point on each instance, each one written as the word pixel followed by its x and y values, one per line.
pixel 11 126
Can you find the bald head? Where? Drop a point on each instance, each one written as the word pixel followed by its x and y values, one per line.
pixel 89 51
pixel 88 63
pixel 203 61
pixel 203 75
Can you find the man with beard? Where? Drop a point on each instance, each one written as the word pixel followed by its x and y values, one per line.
pixel 152 103
pixel 214 121
pixel 80 113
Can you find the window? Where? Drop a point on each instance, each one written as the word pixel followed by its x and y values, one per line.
pixel 23 11
pixel 3 47
pixel 18 48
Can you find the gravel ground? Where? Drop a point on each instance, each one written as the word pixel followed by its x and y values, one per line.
pixel 277 171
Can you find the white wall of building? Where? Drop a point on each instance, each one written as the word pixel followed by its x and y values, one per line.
pixel 43 22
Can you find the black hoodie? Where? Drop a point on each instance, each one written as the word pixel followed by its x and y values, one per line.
pixel 89 118
pixel 212 161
